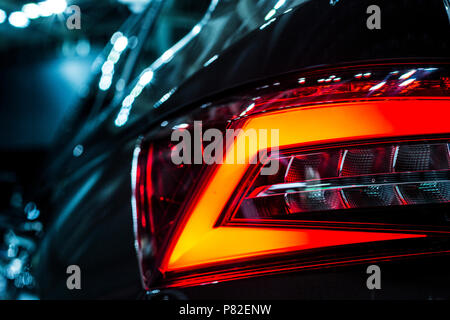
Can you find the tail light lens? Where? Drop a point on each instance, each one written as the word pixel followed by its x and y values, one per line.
pixel 362 156
pixel 352 177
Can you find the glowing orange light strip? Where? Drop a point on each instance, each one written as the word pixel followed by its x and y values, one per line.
pixel 199 242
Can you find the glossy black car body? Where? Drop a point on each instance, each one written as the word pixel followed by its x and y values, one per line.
pixel 87 198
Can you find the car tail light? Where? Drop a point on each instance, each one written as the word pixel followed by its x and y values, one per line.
pixel 363 161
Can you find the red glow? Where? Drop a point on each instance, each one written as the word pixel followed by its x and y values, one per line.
pixel 149 186
pixel 199 242
pixel 239 273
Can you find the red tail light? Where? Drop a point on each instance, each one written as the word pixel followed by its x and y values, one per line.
pixel 362 156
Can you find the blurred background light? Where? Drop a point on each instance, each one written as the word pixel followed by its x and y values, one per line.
pixel 57 6
pixel 18 19
pixel 121 43
pixel 31 211
pixel 146 77
pixel 108 67
pixel 31 10
pixel 135 6
pixel 105 82
pixel 115 36
pixel 2 16
pixel 83 47
pixel 14 268
pixel 78 150
pixel 45 9
pixel 279 4
pixel 270 14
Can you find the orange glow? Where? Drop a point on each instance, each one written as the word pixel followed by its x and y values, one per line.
pixel 226 243
pixel 199 242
